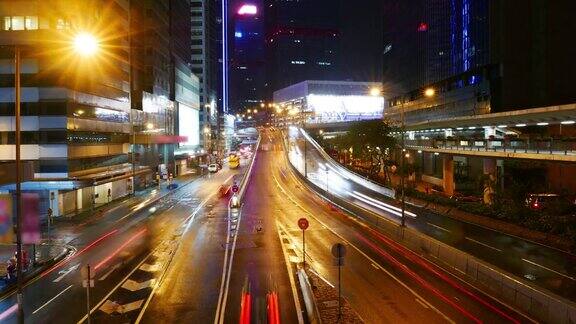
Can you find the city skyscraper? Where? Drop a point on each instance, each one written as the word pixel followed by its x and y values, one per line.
pixel 303 42
pixel 247 56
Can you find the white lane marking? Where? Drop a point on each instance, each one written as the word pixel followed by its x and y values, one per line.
pixel 421 303
pixel 52 299
pixel 295 296
pixel 483 244
pixel 375 266
pixel 438 227
pixel 135 285
pixel 150 267
pixel 130 306
pixel 115 267
pixel 223 279
pixel 546 268
pixel 63 273
pixel 364 254
pixel 228 274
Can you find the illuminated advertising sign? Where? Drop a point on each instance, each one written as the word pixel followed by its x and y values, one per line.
pixel 335 108
pixel 248 9
pixel 189 125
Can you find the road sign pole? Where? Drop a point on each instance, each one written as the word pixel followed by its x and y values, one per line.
pixel 303 224
pixel 339 294
pixel 338 252
pixel 304 248
pixel 88 293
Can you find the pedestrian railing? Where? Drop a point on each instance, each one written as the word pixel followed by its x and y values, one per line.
pixel 558 147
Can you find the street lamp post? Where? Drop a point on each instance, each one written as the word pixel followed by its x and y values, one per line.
pixel 19 281
pixel 402 173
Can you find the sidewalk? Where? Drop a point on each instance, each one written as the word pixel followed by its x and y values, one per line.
pixel 45 256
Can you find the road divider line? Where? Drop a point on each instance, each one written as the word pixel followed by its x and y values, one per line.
pixel 546 268
pixel 224 267
pixel 438 227
pixel 483 244
pixel 51 299
pixel 421 303
pixel 64 273
pixel 115 267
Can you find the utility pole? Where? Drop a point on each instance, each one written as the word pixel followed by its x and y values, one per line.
pixel 402 171
pixel 19 259
pixel 305 161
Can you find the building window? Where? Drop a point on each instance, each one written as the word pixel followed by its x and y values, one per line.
pixel 62 24
pixel 15 23
pixel 31 22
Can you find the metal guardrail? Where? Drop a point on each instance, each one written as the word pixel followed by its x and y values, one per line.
pixel 312 312
pixel 516 146
pixel 542 305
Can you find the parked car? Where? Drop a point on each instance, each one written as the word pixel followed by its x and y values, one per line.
pixel 213 168
pixel 542 201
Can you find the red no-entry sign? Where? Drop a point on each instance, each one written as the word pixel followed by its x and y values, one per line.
pixel 303 223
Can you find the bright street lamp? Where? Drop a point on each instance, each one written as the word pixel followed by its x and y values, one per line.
pixel 86 44
pixel 375 92
pixel 149 126
pixel 429 92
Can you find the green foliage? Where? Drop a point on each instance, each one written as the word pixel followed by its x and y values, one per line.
pixel 369 141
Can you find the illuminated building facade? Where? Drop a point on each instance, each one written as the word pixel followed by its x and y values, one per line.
pixel 455 46
pixel 75 112
pixel 328 102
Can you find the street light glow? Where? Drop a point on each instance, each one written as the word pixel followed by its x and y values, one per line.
pixel 86 44
pixel 429 92
pixel 149 126
pixel 375 92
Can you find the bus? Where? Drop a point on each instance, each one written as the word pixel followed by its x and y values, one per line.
pixel 233 161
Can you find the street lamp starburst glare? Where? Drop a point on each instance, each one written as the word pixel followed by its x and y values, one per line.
pixel 86 44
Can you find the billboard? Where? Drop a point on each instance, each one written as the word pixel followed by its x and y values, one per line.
pixel 340 108
pixel 6 231
pixel 189 125
pixel 30 218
